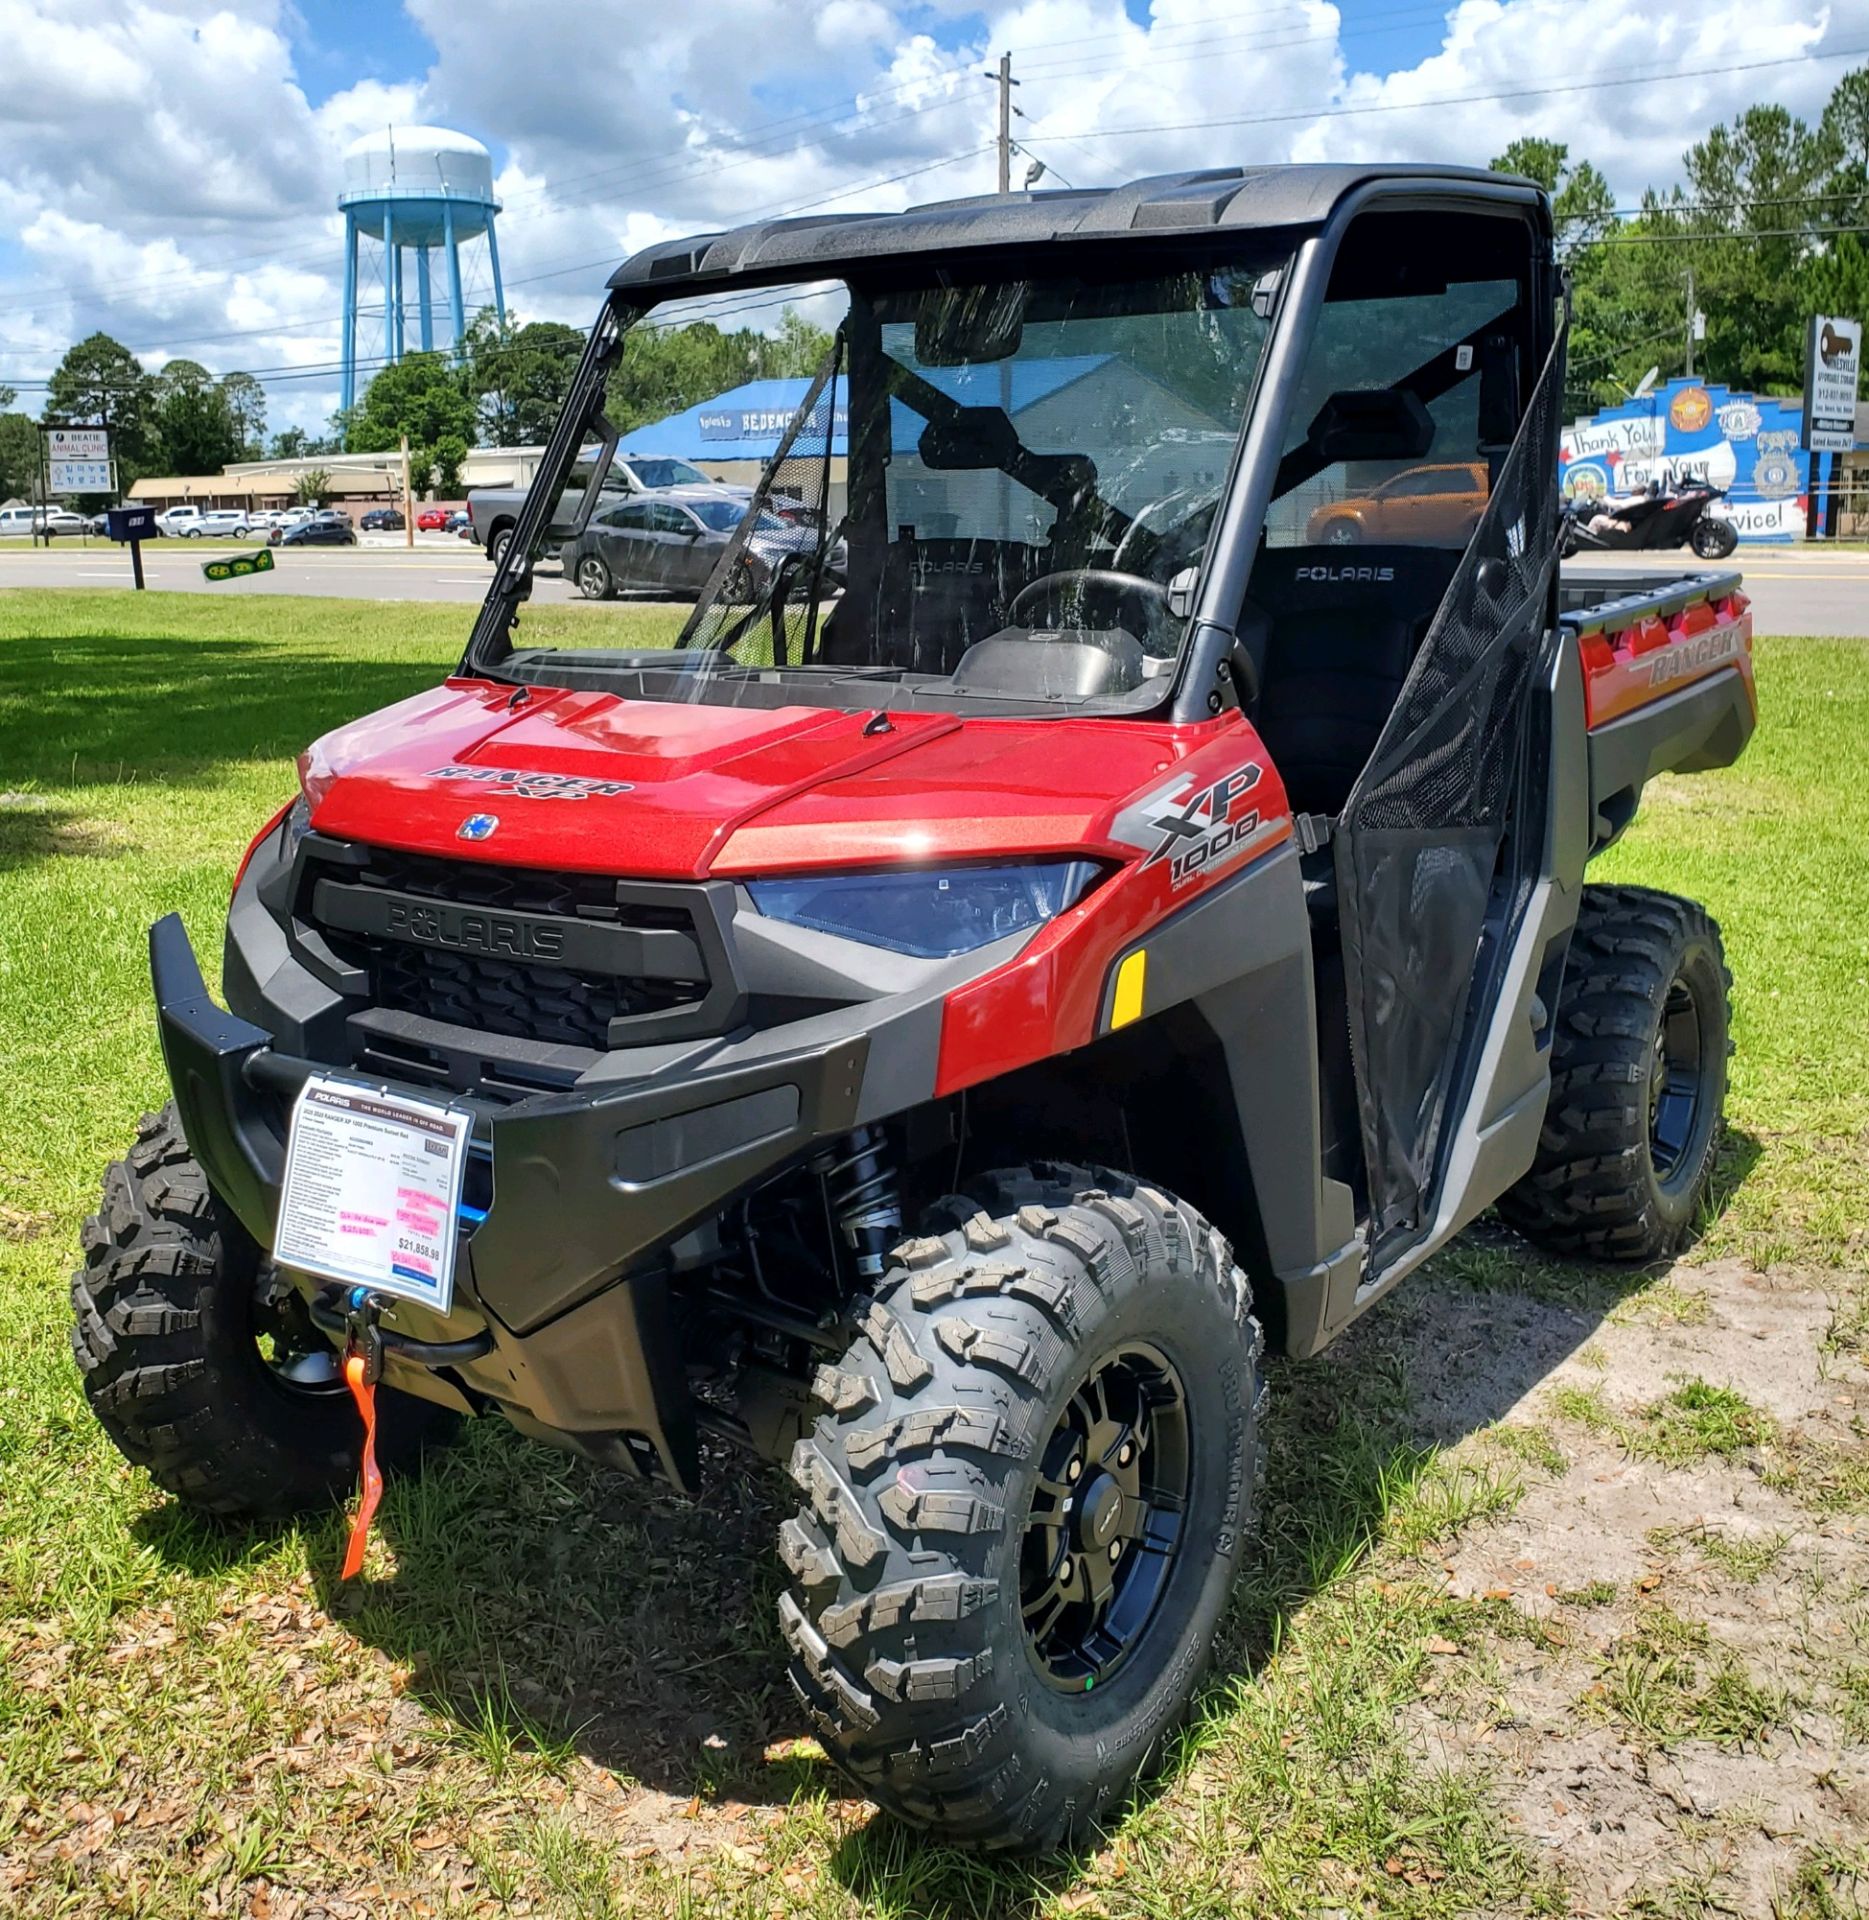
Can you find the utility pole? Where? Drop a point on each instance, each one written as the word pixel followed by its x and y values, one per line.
pixel 1006 85
pixel 408 505
pixel 1692 317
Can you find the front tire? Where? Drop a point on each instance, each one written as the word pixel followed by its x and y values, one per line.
pixel 1342 533
pixel 1713 539
pixel 169 1324
pixel 594 581
pixel 1638 1081
pixel 1027 1506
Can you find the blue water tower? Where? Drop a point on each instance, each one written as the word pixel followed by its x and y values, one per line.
pixel 412 190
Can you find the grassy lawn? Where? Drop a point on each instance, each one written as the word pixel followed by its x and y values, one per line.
pixel 555 1693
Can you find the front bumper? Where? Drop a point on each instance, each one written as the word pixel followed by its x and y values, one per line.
pixel 587 1188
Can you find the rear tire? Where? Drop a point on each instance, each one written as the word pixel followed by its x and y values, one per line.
pixel 1638 1081
pixel 496 547
pixel 167 1343
pixel 992 1644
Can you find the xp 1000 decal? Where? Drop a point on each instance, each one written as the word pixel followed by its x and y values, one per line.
pixel 1198 828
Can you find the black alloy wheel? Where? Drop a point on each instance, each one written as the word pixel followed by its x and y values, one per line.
pixel 1106 1519
pixel 1675 1081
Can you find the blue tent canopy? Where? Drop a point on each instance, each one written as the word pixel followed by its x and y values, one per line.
pixel 748 422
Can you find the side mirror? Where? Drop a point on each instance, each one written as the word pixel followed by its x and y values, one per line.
pixel 1181 591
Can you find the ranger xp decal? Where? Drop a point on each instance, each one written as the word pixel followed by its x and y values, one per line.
pixel 533 786
pixel 1200 831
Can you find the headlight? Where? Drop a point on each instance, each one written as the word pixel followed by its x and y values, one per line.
pixel 295 820
pixel 931 912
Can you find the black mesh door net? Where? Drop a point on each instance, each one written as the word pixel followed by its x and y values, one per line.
pixel 1417 845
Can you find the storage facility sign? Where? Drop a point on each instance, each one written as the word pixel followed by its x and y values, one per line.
pixel 1748 444
pixel 764 423
pixel 1833 367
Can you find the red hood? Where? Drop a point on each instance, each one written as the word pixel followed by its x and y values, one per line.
pixel 665 790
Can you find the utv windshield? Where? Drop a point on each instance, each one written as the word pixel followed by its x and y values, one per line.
pixel 979 491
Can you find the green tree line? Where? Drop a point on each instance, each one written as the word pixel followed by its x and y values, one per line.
pixel 502 389
pixel 1770 226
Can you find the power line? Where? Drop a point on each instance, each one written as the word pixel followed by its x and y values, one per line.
pixel 1453 100
pixel 1739 203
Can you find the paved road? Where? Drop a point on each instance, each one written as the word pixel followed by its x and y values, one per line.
pixel 447 570
pixel 1793 591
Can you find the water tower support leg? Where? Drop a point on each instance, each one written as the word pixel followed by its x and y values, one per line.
pixel 389 286
pixel 454 274
pixel 493 254
pixel 349 385
pixel 424 305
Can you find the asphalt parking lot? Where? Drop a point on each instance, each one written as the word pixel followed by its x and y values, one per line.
pixel 1793 590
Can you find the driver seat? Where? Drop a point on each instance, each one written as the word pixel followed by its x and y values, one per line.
pixel 1328 685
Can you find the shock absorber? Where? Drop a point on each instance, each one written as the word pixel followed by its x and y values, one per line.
pixel 861 1191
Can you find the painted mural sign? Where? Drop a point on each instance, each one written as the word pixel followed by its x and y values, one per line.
pixel 1751 445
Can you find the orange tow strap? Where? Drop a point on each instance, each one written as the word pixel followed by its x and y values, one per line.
pixel 363 1391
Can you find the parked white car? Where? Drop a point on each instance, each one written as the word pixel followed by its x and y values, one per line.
pixel 18 522
pixel 176 520
pixel 229 522
pixel 63 520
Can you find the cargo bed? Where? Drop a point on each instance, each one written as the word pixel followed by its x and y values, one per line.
pixel 1667 674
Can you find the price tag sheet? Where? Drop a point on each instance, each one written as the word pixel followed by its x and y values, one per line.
pixel 372 1191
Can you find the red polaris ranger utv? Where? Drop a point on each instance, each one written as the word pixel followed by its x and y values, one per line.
pixel 929 996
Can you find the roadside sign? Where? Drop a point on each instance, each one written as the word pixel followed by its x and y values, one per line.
pixel 1833 366
pixel 77 443
pixel 77 459
pixel 78 476
pixel 239 567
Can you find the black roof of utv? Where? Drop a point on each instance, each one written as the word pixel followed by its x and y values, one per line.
pixel 1164 205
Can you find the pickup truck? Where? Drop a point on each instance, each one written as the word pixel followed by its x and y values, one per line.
pixel 493 512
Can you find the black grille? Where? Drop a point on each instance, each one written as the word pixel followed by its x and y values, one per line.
pixel 523 999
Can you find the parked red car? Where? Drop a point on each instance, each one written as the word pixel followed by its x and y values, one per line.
pixel 433 519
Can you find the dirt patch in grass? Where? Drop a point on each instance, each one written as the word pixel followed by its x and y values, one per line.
pixel 1676 1720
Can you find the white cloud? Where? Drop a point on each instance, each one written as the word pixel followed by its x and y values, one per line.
pixel 164 176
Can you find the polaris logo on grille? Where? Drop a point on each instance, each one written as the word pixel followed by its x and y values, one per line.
pixel 1341 576
pixel 498 935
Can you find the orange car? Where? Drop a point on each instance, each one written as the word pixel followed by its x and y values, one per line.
pixel 1420 506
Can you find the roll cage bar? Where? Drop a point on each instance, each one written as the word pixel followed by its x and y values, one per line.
pixel 1260 469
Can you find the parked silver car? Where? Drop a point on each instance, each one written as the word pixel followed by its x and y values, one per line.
pixel 669 543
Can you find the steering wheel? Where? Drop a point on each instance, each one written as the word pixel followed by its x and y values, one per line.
pixel 1054 590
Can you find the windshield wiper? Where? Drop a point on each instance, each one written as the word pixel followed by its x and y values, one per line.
pixel 804 666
